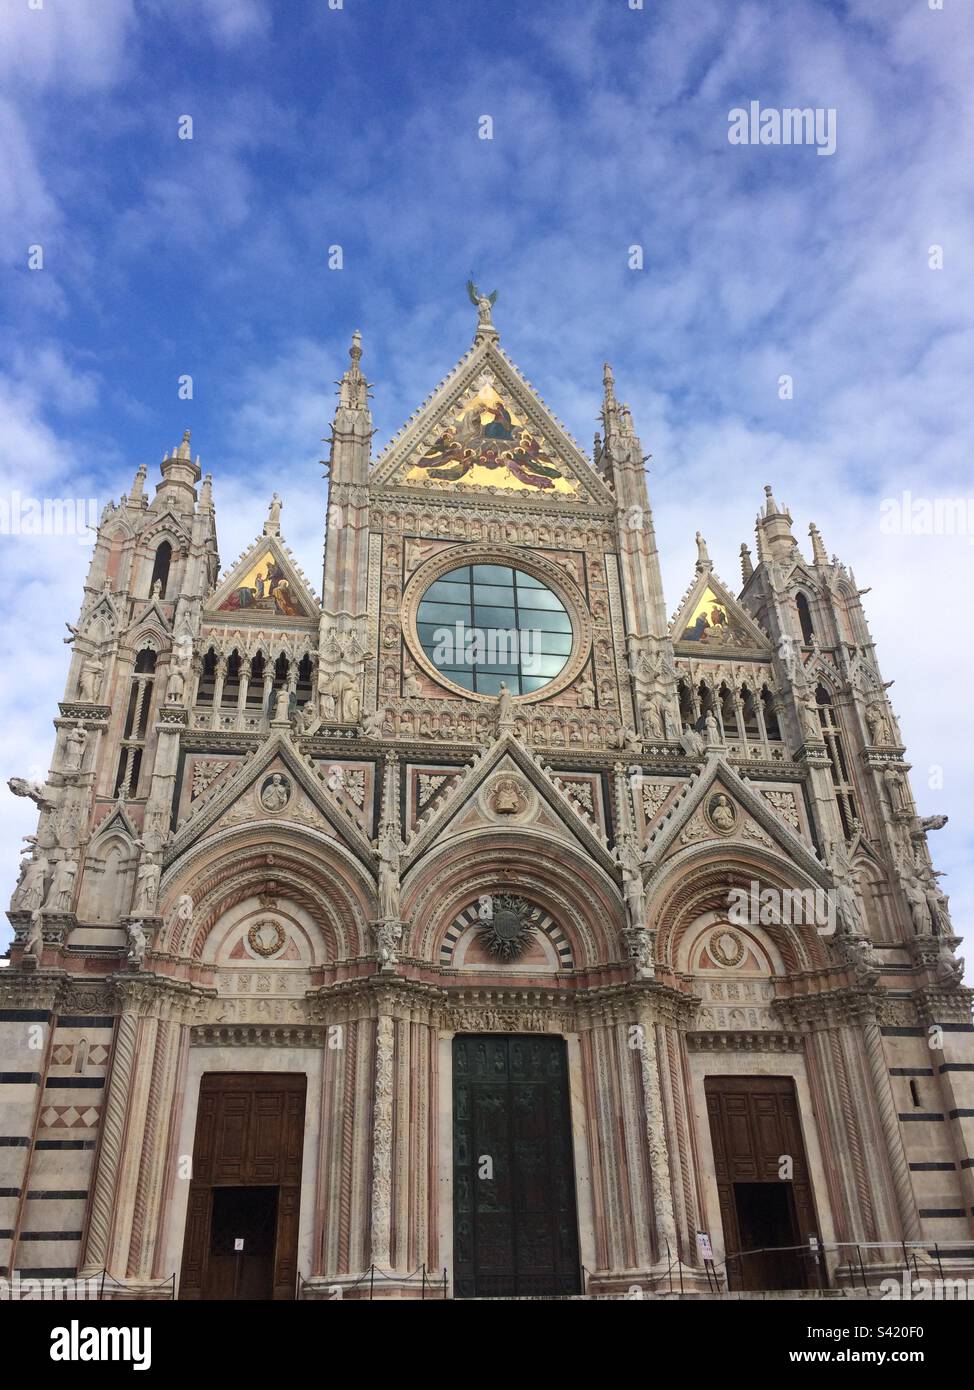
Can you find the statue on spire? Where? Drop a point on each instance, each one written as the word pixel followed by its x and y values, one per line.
pixel 484 303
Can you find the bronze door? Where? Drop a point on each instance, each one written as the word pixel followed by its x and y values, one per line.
pixel 754 1124
pixel 242 1224
pixel 514 1220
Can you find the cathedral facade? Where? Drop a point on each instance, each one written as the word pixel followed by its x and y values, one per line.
pixel 479 928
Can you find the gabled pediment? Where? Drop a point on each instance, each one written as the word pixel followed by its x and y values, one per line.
pixel 719 805
pixel 275 786
pixel 265 586
pixel 710 619
pixel 506 787
pixel 486 431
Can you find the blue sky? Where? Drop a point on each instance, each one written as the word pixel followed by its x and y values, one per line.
pixel 358 127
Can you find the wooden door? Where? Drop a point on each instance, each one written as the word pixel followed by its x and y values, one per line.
pixel 242 1223
pixel 754 1124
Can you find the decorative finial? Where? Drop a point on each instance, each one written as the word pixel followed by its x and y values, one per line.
pixel 747 569
pixel 819 553
pixel 484 303
pixel 184 450
pixel 770 505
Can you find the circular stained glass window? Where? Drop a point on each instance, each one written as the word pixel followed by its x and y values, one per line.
pixel 484 625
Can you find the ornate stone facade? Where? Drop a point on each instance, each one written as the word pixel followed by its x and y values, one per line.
pixel 278 837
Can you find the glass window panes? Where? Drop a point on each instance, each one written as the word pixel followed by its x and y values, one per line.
pixel 482 625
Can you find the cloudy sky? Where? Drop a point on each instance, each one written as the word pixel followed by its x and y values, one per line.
pixel 360 127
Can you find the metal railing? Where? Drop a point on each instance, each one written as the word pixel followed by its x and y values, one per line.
pixel 437 1286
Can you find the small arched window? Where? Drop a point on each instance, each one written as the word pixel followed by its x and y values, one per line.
pixel 805 617
pixel 160 570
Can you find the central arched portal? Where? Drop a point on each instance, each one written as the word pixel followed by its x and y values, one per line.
pixel 515 1225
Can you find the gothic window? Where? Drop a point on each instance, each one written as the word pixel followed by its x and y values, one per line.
pixel 204 695
pixel 805 618
pixel 845 796
pixel 136 725
pixel 484 625
pixel 160 570
pixel 748 704
pixel 255 690
pixel 728 711
pixel 304 679
pixel 770 717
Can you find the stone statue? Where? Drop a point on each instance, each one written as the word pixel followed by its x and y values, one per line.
pixel 811 724
pixel 30 893
pixel 156 589
pixel 413 685
pixel 175 686
pixel 37 793
pixel 89 681
pixel 932 823
pixel 60 895
pixel 274 514
pixel 703 558
pixel 848 906
pixel 651 719
pixel 372 724
pixel 917 902
pixel 484 303
pixel 309 718
pixel 505 708
pixel 282 701
pixel 632 881
pixel 586 693
pixel 388 938
pixel 692 742
pixel 34 944
pixel 713 729
pixel 146 888
pixel 877 723
pixel 75 743
pixel 138 944
pixel 390 862
pixel 640 944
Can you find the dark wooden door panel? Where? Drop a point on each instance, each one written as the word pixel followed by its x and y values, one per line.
pixel 249 1135
pixel 754 1122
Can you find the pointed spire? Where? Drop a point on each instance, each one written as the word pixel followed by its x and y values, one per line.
pixel 747 569
pixel 206 493
pixel 819 554
pixel 137 495
pixel 353 389
pixel 774 526
pixel 704 562
pixel 184 451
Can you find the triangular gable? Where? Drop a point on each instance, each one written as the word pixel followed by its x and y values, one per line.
pixel 486 427
pixel 278 749
pixel 433 827
pixel 711 619
pixel 266 586
pixel 717 775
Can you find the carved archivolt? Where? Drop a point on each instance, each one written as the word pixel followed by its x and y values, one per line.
pixel 339 898
pixel 582 900
pixel 701 882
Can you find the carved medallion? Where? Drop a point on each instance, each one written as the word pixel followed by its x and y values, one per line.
pixel 266 937
pixel 275 792
pixel 726 947
pixel 722 813
pixel 509 928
